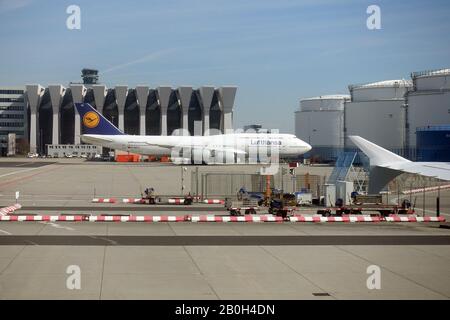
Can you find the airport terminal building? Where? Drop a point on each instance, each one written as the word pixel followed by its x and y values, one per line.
pixel 52 119
pixel 13 116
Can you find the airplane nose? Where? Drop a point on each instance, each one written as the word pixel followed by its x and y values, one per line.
pixel 308 147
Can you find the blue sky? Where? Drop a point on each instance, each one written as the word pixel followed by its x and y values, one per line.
pixel 276 52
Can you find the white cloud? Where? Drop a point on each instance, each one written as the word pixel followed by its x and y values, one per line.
pixel 11 5
pixel 149 57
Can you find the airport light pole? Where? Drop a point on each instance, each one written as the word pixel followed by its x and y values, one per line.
pixel 438 209
pixel 183 169
pixel 410 193
pixel 196 184
pixel 423 209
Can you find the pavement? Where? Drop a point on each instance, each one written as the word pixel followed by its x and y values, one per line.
pixel 199 260
pixel 132 240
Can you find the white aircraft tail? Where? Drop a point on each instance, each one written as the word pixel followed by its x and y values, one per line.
pixel 378 156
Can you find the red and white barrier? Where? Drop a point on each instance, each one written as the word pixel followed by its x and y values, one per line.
pixel 318 219
pixel 43 218
pixel 246 208
pixel 247 218
pixel 213 218
pixel 10 209
pixel 80 218
pixel 136 218
pixel 104 200
pixel 213 201
pixel 414 219
pixel 176 200
pixel 133 200
pixel 427 189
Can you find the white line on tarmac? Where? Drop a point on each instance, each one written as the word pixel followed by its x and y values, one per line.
pixel 21 171
pixel 22 164
pixel 5 232
pixel 55 225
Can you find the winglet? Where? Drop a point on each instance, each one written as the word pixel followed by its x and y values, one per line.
pixel 94 122
pixel 378 156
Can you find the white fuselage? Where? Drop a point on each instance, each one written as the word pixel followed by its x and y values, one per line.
pixel 286 145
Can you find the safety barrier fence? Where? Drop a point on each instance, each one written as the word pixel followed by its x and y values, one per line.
pixel 214 218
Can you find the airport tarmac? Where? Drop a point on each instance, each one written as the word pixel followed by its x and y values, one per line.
pixel 185 260
pixel 223 261
pixel 71 184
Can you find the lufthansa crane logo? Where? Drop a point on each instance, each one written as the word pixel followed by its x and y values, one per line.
pixel 91 119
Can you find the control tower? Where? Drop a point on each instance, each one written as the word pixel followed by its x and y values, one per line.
pixel 89 76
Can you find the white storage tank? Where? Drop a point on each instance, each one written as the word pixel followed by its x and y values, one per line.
pixel 381 90
pixel 431 80
pixel 320 122
pixel 324 103
pixel 376 112
pixel 429 102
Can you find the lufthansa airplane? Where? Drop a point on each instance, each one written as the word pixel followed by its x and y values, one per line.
pixel 194 149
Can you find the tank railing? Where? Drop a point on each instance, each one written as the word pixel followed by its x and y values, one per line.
pixel 397 84
pixel 430 73
pixel 432 128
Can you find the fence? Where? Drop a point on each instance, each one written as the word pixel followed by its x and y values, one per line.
pixel 221 185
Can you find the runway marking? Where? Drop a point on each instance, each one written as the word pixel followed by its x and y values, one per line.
pixel 20 171
pixel 26 177
pixel 23 164
pixel 55 225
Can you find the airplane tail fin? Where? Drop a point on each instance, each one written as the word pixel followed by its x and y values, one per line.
pixel 95 123
pixel 378 156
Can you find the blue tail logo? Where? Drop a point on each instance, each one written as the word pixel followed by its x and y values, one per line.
pixel 91 119
pixel 94 122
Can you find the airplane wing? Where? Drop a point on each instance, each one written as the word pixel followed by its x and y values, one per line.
pixel 386 165
pixel 440 170
pixel 383 158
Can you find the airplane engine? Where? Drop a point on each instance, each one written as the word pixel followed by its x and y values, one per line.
pixel 223 157
pixel 206 156
pixel 200 156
